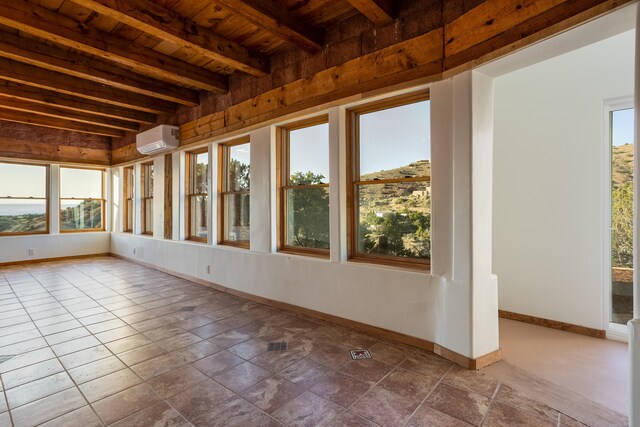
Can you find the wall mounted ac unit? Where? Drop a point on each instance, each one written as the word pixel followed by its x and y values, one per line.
pixel 157 140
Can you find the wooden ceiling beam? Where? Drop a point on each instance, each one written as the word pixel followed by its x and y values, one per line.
pixel 380 12
pixel 53 58
pixel 50 122
pixel 60 113
pixel 160 22
pixel 273 17
pixel 47 97
pixel 35 150
pixel 38 77
pixel 43 23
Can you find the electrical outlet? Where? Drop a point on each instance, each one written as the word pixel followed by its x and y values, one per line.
pixel 32 252
pixel 208 269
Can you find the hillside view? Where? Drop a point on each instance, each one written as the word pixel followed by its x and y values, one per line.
pixel 395 218
pixel 622 206
pixel 86 215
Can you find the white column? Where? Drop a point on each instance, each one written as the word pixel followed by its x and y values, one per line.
pixel 212 158
pixel 137 199
pixel 337 185
pixel 178 177
pixel 108 200
pixel 462 142
pixel 634 325
pixel 260 211
pixel 158 197
pixel 54 199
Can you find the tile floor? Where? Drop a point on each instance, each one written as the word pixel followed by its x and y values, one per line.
pixel 103 341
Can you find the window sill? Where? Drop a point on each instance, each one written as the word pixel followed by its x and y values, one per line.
pixel 319 254
pixel 416 267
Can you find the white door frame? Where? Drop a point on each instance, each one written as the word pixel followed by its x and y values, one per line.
pixel 614 331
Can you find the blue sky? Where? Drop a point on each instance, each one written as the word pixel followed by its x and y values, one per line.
pixel 622 127
pixel 389 139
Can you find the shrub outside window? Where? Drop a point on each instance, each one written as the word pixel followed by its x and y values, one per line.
pixel 128 184
pixel 390 182
pixel 81 199
pixel 147 198
pixel 24 199
pixel 234 184
pixel 303 197
pixel 197 194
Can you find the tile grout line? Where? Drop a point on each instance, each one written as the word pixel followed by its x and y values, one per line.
pixel 491 402
pixel 429 394
pixel 4 390
pixel 56 357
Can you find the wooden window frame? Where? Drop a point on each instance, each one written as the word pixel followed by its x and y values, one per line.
pixel 223 162
pixel 128 194
pixel 46 199
pixel 353 181
pixel 145 195
pixel 283 173
pixel 101 199
pixel 189 176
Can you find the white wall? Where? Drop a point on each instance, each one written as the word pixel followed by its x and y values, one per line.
pixel 549 181
pixel 16 248
pixel 433 306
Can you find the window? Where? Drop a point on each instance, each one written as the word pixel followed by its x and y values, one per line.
pixel 128 183
pixel 81 199
pixel 234 193
pixel 389 173
pixel 303 156
pixel 197 194
pixel 621 148
pixel 24 207
pixel 147 198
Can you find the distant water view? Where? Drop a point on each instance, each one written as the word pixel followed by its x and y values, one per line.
pixel 29 209
pixel 21 209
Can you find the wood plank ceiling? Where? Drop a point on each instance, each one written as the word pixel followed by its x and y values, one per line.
pixel 105 67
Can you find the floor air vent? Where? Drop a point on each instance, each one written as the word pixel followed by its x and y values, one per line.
pixel 277 346
pixel 360 354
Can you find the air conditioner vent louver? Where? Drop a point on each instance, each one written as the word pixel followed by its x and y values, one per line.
pixel 157 140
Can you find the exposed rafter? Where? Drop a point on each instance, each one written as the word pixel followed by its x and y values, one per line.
pixel 273 17
pixel 48 25
pixel 380 12
pixel 53 58
pixel 38 120
pixel 61 113
pixel 38 77
pixel 72 103
pixel 153 19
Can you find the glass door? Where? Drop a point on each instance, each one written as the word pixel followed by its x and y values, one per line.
pixel 621 225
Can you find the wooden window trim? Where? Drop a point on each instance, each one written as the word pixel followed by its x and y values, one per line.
pixel 189 175
pixel 146 195
pixel 354 180
pixel 101 199
pixel 128 194
pixel 46 199
pixel 283 173
pixel 223 160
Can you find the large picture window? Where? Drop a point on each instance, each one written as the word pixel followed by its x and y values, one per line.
pixel 146 179
pixel 81 199
pixel 128 185
pixel 390 192
pixel 23 199
pixel 234 166
pixel 197 194
pixel 303 155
